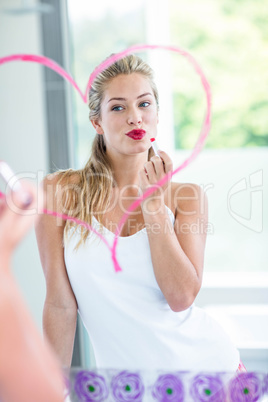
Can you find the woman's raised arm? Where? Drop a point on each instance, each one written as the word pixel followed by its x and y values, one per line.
pixel 29 371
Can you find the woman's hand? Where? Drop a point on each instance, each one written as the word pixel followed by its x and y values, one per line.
pixel 18 211
pixel 24 354
pixel 155 170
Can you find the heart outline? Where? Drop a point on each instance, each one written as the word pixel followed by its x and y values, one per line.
pixel 51 64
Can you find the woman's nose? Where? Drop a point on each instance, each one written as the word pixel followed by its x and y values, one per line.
pixel 134 117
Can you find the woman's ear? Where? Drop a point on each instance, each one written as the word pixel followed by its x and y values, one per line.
pixel 97 126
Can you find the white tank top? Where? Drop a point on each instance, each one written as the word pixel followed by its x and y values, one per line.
pixel 128 319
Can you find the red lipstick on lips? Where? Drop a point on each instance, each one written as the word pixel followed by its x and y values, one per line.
pixel 136 134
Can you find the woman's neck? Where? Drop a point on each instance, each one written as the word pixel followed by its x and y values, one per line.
pixel 126 170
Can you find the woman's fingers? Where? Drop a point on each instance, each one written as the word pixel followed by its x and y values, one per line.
pixel 158 167
pixel 154 171
pixel 167 161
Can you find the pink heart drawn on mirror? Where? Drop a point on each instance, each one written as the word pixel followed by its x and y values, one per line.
pixel 133 49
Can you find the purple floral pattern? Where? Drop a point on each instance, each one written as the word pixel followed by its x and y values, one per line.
pixel 265 384
pixel 245 387
pixel 127 386
pixel 90 386
pixel 208 387
pixel 168 388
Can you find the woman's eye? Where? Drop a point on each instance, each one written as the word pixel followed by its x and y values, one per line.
pixel 117 108
pixel 145 104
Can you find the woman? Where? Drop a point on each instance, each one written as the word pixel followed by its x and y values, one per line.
pixel 144 316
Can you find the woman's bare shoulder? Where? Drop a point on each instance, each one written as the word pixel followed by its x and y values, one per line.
pixel 184 196
pixel 185 188
pixel 62 177
pixel 56 185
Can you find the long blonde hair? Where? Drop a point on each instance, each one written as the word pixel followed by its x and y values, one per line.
pixel 88 191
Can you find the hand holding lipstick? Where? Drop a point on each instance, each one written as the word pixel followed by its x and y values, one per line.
pixel 159 166
pixel 16 209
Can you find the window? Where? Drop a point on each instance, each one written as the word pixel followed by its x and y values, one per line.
pixel 97 31
pixel 229 39
pixel 231 44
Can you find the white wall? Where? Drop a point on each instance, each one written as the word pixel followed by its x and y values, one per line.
pixel 23 134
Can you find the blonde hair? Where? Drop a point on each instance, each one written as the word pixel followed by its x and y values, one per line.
pixel 88 191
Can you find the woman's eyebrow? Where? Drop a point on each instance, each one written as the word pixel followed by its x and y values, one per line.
pixel 124 99
pixel 147 93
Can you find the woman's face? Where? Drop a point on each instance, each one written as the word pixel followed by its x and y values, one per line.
pixel 128 104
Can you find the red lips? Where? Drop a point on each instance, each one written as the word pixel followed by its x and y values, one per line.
pixel 136 134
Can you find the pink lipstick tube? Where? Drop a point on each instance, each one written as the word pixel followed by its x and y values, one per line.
pixel 9 177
